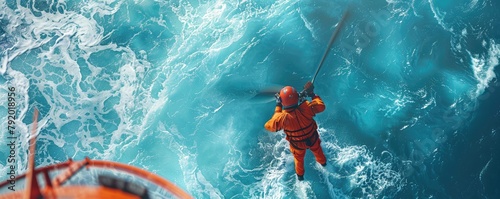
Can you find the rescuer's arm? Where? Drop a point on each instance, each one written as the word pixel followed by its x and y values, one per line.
pixel 316 104
pixel 274 124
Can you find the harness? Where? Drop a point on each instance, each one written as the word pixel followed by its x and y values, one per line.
pixel 310 141
pixel 309 138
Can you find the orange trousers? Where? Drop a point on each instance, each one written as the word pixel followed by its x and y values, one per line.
pixel 298 155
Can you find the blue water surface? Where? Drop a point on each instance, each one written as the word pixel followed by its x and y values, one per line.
pixel 410 87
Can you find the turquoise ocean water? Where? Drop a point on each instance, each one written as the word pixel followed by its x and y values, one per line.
pixel 410 87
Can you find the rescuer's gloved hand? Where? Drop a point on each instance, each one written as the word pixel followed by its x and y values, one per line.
pixel 302 96
pixel 278 99
pixel 309 89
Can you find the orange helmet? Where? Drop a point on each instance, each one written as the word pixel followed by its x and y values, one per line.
pixel 289 97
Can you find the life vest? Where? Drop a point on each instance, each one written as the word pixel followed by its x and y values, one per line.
pixel 300 129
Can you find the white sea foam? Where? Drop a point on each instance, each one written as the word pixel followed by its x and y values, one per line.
pixel 274 174
pixel 308 25
pixel 439 16
pixel 70 36
pixel 483 67
pixel 356 168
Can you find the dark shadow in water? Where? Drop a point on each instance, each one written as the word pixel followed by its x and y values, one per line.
pixel 471 167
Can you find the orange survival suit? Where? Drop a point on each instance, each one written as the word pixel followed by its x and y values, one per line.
pixel 301 130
